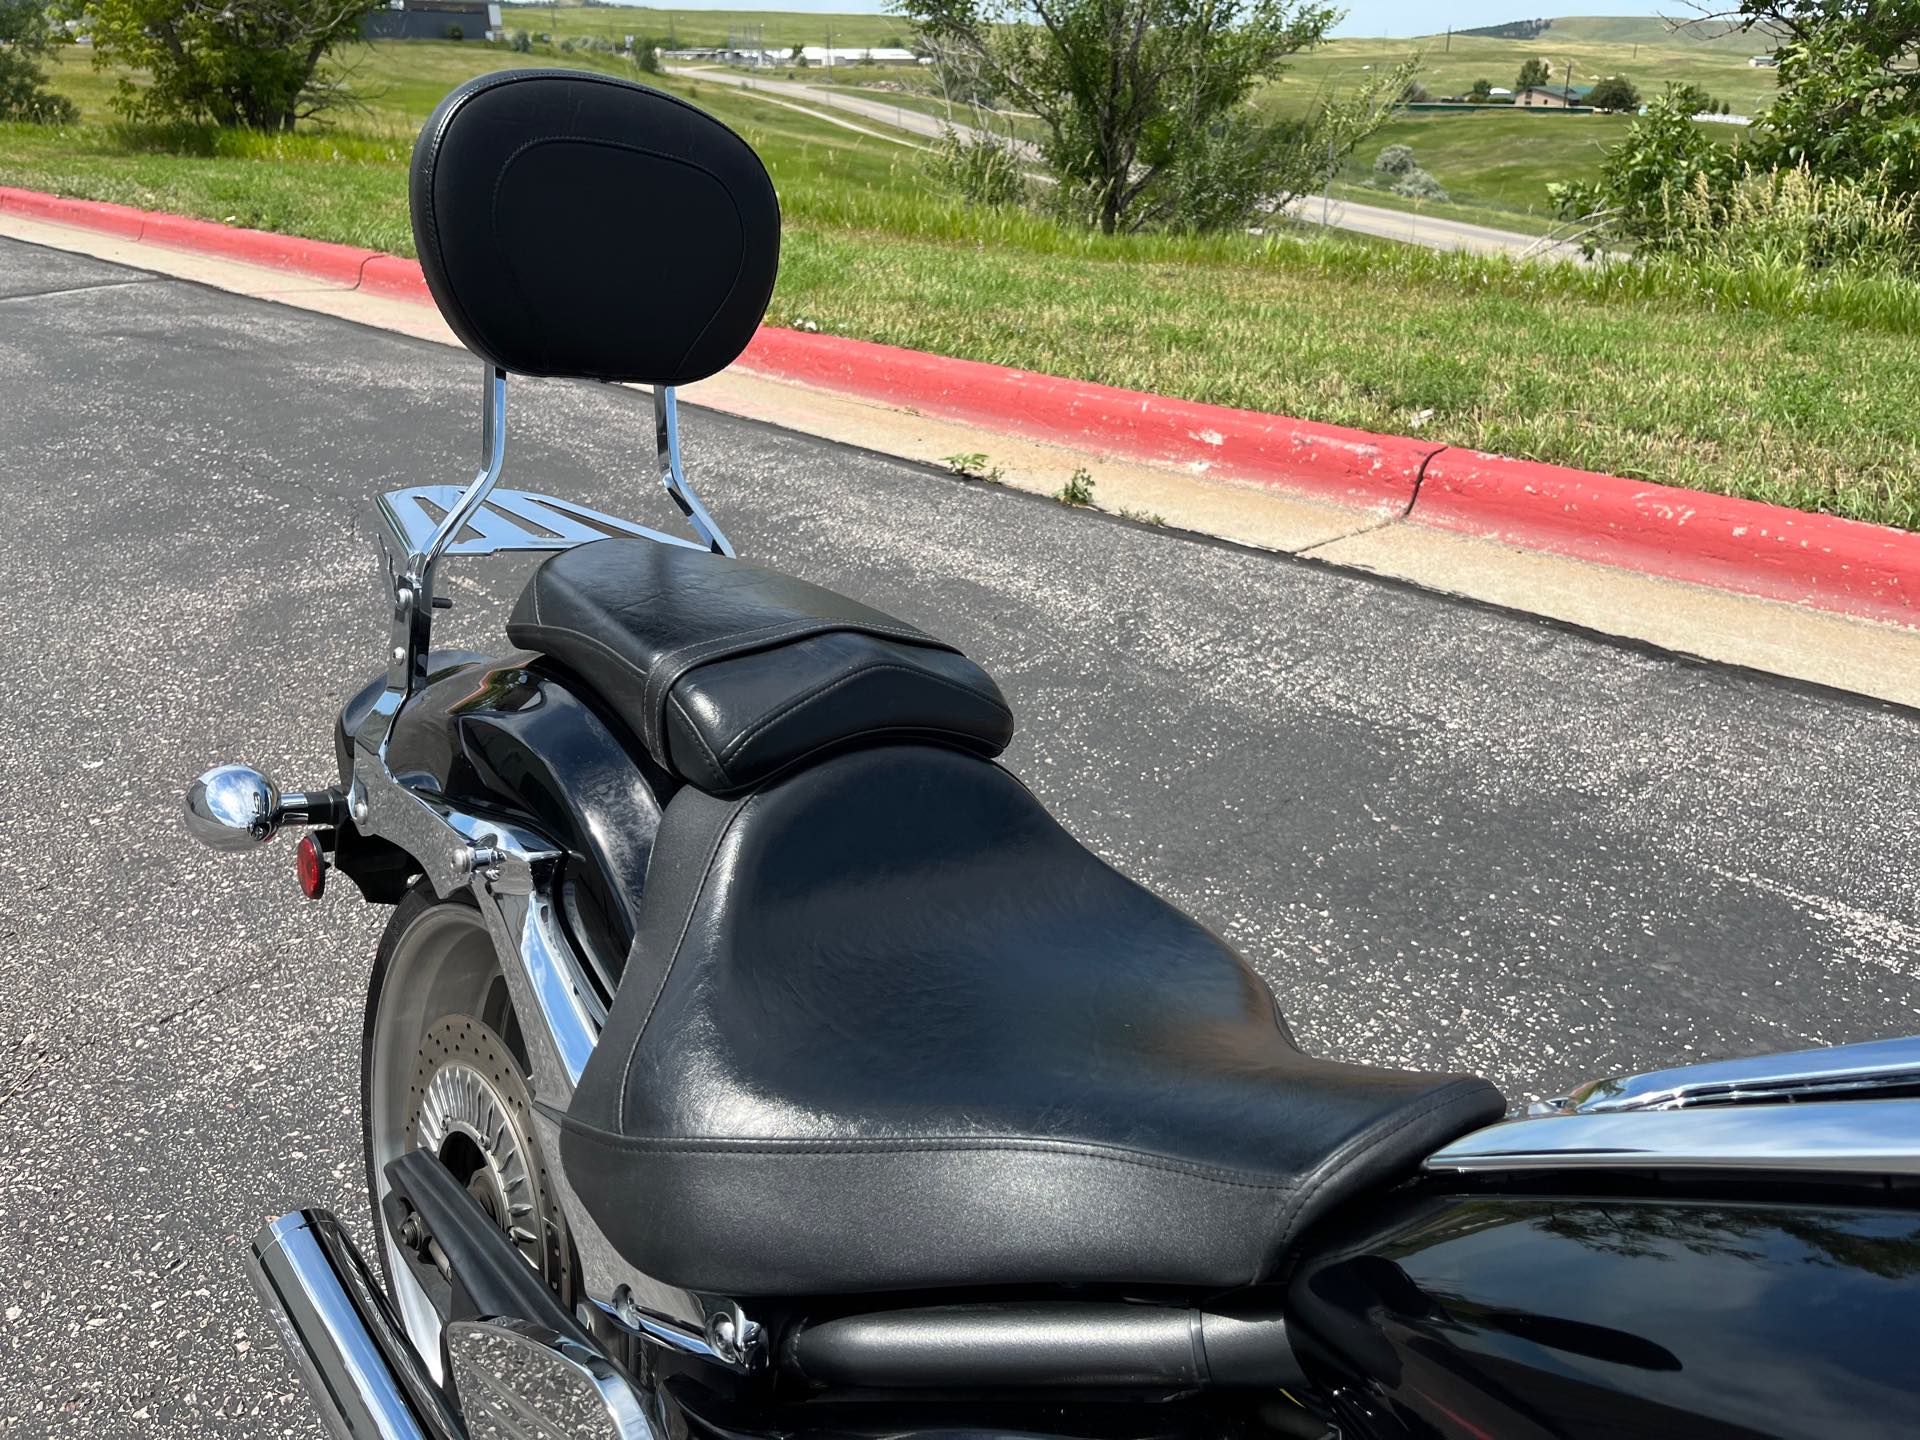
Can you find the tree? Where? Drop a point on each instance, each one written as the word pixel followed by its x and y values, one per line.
pixel 1144 103
pixel 1849 88
pixel 1666 177
pixel 1481 92
pixel 1615 93
pixel 1532 73
pixel 24 36
pixel 233 62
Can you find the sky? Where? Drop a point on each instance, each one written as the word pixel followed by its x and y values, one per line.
pixel 1364 17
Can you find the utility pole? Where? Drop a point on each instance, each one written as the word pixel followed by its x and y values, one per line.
pixel 1566 88
pixel 1449 46
pixel 829 47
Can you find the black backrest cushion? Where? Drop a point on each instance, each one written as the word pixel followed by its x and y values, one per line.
pixel 574 224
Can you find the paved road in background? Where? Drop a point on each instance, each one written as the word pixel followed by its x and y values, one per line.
pixel 1378 220
pixel 1449 836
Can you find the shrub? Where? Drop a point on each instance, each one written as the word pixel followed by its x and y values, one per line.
pixel 979 168
pixel 1417 184
pixel 1395 160
pixel 520 42
pixel 1481 92
pixel 454 32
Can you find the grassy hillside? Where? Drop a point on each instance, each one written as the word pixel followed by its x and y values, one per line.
pixel 1683 27
pixel 1450 68
pixel 707 27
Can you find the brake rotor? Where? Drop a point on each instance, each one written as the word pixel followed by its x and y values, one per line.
pixel 468 1105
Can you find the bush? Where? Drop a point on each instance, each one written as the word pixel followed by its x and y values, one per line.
pixel 520 42
pixel 1481 92
pixel 454 32
pixel 1787 219
pixel 1417 184
pixel 980 169
pixel 1395 160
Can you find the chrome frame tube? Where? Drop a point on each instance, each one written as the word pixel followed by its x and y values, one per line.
pixel 362 1372
pixel 673 479
pixel 1856 1137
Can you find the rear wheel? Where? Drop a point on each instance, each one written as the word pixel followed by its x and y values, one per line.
pixel 444 1069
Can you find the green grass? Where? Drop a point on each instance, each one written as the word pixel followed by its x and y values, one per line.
pixel 1754 384
pixel 707 27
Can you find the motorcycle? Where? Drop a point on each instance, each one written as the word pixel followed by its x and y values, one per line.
pixel 748 1054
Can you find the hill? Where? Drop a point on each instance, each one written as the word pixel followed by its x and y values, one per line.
pixel 706 27
pixel 1682 29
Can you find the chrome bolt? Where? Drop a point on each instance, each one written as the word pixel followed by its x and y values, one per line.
pixel 399 652
pixel 360 808
pixel 481 857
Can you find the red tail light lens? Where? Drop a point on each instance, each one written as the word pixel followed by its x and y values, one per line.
pixel 311 863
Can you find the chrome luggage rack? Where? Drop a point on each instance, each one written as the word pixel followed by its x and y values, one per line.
pixel 1846 1109
pixel 420 524
pixel 507 520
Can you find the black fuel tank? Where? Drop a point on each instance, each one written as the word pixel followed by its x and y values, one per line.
pixel 1503 1315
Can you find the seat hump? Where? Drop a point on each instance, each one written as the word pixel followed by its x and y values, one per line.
pixel 886 1025
pixel 730 674
pixel 575 224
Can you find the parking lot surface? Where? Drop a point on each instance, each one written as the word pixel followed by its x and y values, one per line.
pixel 1447 835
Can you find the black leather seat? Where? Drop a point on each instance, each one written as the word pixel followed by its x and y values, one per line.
pixel 885 1025
pixel 731 674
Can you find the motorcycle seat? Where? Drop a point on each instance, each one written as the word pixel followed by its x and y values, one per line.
pixel 731 674
pixel 885 1025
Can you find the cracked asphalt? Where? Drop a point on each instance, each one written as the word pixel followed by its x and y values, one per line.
pixel 1448 835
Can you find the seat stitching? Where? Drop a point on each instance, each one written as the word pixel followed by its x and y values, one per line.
pixel 706 875
pixel 699 735
pixel 667 671
pixel 821 691
pixel 1370 1139
pixel 823 1149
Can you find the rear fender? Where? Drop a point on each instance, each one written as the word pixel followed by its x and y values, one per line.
pixel 512 737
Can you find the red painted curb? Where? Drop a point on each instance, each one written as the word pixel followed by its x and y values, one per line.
pixel 93 214
pixel 1719 540
pixel 1740 545
pixel 394 276
pixel 1349 467
pixel 338 264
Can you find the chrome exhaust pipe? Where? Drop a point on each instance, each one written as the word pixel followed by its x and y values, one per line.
pixel 360 1369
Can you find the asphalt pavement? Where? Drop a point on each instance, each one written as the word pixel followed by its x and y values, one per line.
pixel 1448 835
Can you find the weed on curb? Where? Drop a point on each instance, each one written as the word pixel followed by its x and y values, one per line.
pixel 1078 490
pixel 973 467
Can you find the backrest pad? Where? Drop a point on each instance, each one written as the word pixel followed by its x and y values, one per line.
pixel 577 225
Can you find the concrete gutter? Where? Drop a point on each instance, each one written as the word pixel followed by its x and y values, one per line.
pixel 1596 551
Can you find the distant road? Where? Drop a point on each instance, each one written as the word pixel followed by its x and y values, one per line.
pixel 1378 220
